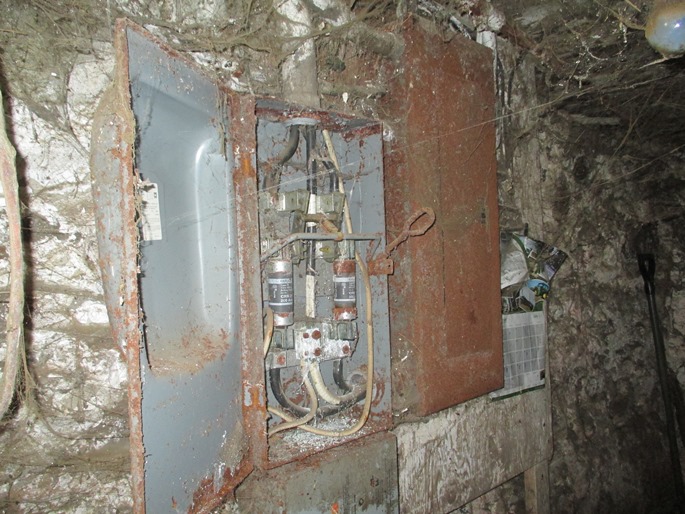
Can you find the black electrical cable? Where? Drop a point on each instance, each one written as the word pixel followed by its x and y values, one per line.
pixel 647 266
pixel 310 140
pixel 338 366
pixel 291 146
pixel 322 412
pixel 277 390
pixel 272 175
pixel 339 376
pixel 332 177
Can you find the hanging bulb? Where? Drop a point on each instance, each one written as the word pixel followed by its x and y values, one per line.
pixel 665 28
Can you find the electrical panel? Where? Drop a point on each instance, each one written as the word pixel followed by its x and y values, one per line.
pixel 242 248
pixel 321 219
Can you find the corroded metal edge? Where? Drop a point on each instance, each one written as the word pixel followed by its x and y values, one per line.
pixel 112 171
pixel 244 144
pixel 114 182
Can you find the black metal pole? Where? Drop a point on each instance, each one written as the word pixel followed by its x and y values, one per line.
pixel 647 266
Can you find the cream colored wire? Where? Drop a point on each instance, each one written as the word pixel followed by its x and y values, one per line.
pixel 290 421
pixel 314 404
pixel 269 330
pixel 297 422
pixel 321 388
pixel 369 374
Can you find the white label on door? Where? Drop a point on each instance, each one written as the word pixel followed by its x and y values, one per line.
pixel 150 213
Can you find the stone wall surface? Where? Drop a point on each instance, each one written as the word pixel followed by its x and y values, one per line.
pixel 65 447
pixel 579 189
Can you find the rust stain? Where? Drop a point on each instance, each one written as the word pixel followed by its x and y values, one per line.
pixel 246 167
pixel 381 266
pixel 295 389
pixel 380 391
pixel 347 126
pixel 243 123
pixel 196 348
pixel 209 495
pixel 346 266
pixel 344 313
pixel 113 173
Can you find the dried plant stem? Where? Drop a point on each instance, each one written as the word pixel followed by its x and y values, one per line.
pixel 631 4
pixel 15 316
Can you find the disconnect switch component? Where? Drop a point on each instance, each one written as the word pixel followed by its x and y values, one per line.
pixel 325 341
pixel 345 290
pixel 281 299
pixel 297 200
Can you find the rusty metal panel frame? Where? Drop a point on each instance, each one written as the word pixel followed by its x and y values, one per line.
pixel 245 185
pixel 111 162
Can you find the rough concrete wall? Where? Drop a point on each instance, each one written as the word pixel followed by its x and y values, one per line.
pixel 608 414
pixel 671 285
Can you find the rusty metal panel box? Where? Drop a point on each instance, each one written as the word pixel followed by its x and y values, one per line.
pixel 164 184
pixel 197 210
pixel 445 306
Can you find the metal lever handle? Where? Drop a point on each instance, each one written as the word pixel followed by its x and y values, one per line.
pixel 409 232
pixel 383 265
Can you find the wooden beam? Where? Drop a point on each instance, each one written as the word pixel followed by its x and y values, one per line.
pixel 536 481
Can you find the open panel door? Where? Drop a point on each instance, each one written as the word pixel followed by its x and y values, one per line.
pixel 165 173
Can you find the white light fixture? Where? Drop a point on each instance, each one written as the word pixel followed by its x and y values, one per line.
pixel 665 28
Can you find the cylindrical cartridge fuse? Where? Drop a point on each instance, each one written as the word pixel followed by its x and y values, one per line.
pixel 344 290
pixel 279 279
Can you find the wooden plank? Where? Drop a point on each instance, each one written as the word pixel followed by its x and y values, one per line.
pixel 536 481
pixel 461 453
